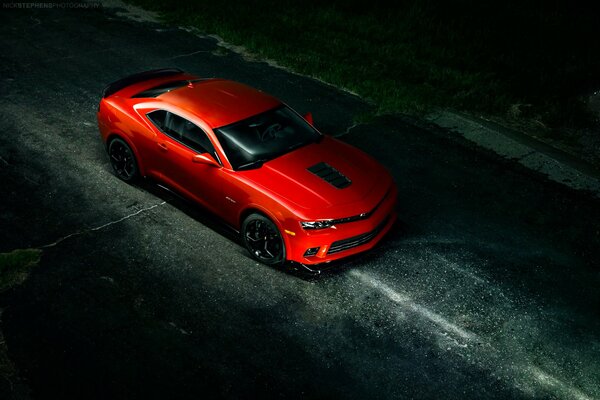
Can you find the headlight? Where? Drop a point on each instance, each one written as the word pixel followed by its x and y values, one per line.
pixel 316 224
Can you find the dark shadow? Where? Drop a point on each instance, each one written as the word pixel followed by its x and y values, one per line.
pixel 310 273
pixel 189 208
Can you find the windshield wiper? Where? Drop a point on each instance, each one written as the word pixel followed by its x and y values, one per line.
pixel 253 164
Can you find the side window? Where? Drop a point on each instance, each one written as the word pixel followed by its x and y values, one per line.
pixel 182 130
pixel 158 118
pixel 188 134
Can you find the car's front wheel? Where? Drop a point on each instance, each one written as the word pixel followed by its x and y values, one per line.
pixel 263 240
pixel 123 160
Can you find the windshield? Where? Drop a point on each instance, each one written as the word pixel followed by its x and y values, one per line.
pixel 251 142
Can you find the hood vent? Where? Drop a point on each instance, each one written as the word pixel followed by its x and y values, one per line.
pixel 330 174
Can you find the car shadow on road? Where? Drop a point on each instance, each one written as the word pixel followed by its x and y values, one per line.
pixel 297 270
pixel 192 210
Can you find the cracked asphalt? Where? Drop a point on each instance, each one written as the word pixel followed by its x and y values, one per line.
pixel 487 288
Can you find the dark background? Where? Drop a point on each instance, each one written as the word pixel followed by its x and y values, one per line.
pixel 486 288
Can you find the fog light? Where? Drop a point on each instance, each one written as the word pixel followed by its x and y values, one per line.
pixel 311 252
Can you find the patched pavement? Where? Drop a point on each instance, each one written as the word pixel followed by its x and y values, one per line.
pixel 487 288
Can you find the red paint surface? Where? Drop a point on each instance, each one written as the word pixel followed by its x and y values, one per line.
pixel 282 189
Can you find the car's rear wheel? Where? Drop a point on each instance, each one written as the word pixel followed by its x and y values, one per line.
pixel 263 240
pixel 123 160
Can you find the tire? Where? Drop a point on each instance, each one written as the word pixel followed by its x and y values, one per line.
pixel 123 160
pixel 263 240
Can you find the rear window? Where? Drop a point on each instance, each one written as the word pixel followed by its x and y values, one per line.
pixel 164 88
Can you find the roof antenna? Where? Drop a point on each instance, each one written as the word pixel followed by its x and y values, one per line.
pixel 190 84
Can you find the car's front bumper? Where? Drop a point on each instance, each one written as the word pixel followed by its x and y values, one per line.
pixel 345 239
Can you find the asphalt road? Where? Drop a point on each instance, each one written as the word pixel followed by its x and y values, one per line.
pixel 487 288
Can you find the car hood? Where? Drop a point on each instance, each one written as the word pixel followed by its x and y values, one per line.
pixel 289 178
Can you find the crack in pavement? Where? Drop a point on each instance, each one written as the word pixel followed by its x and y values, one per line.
pixel 188 54
pixel 348 129
pixel 28 179
pixel 97 228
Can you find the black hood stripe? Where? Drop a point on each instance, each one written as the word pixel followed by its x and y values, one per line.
pixel 330 175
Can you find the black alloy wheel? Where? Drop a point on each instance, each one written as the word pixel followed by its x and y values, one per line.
pixel 123 160
pixel 263 240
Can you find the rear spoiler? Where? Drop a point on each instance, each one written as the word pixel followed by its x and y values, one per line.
pixel 114 87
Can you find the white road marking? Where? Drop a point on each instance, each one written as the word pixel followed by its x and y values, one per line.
pixel 521 373
pixel 556 385
pixel 405 301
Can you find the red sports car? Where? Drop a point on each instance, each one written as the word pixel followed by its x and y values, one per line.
pixel 292 193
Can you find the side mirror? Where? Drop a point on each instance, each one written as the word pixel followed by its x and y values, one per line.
pixel 308 117
pixel 206 159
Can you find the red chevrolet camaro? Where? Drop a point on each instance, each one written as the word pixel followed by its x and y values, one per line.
pixel 293 193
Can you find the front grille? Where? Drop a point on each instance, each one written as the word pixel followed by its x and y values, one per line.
pixel 356 241
pixel 330 175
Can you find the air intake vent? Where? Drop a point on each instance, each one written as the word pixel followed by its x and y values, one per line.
pixel 330 174
pixel 359 240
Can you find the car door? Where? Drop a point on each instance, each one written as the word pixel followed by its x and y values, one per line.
pixel 177 142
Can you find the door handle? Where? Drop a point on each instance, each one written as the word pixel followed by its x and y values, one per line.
pixel 162 145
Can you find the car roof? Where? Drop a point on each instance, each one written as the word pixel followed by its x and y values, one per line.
pixel 220 102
